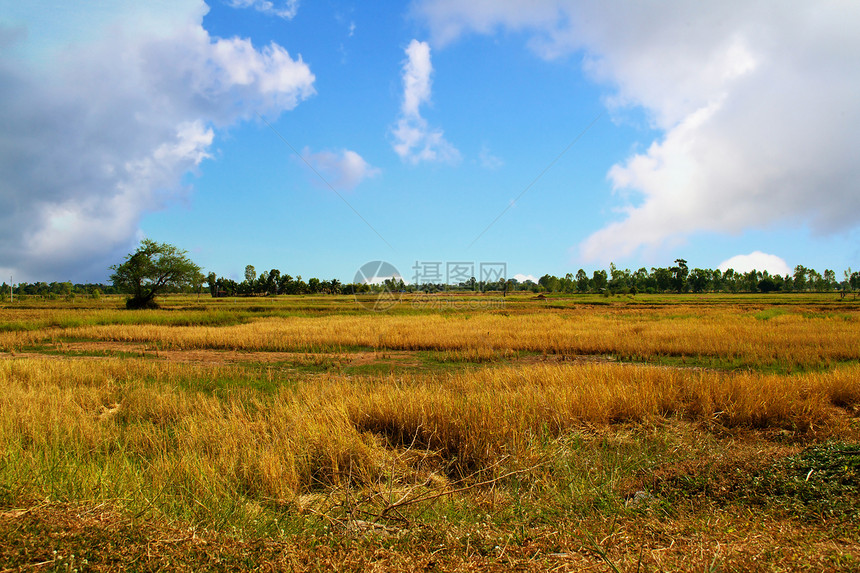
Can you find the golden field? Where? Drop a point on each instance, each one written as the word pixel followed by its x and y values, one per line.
pixel 664 433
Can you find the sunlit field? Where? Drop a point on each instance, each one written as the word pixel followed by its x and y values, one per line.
pixel 451 432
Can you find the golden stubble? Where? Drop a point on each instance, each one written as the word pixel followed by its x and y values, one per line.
pixel 332 430
pixel 790 339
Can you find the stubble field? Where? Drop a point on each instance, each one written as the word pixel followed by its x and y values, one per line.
pixel 449 433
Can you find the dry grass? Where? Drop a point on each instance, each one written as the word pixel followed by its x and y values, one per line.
pixel 502 464
pixel 331 429
pixel 488 413
pixel 791 339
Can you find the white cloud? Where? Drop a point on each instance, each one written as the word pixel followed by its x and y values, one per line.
pixel 343 170
pixel 415 141
pixel 488 160
pixel 286 9
pixel 102 131
pixel 523 278
pixel 756 261
pixel 449 19
pixel 416 77
pixel 757 104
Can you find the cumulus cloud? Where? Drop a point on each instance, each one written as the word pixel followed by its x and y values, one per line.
pixel 287 9
pixel 523 278
pixel 756 103
pixel 102 130
pixel 756 261
pixel 414 140
pixel 343 170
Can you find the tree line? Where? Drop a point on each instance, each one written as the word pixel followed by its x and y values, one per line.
pixel 157 268
pixel 273 282
pixel 54 290
pixel 680 278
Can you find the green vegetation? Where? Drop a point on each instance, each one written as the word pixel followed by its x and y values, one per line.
pixel 677 279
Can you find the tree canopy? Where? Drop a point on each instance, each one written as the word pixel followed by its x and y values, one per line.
pixel 150 270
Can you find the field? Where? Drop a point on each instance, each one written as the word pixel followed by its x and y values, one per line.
pixel 450 433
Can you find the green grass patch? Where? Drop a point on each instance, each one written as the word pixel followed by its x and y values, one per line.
pixel 820 483
pixel 769 313
pixel 245 380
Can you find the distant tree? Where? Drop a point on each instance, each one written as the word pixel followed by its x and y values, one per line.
pixel 62 289
pixel 300 286
pixel 643 282
pixel 567 283
pixel 619 280
pixel 851 281
pixel 830 280
pixel 314 285
pixel 550 283
pixel 800 277
pixel 599 280
pixel 730 280
pixel 273 280
pixel 844 285
pixel 854 281
pixel 699 280
pixel 212 280
pixel 749 280
pixel 197 283
pixel 716 280
pixel 150 270
pixel 815 280
pixel 679 275
pixel 250 274
pixel 663 277
pixel 226 287
pixel 286 285
pixel 581 281
pixel 767 284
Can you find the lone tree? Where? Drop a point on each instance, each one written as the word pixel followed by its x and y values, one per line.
pixel 150 270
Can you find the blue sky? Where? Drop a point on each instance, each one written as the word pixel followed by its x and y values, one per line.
pixel 628 132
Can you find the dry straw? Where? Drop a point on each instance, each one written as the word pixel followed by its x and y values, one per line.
pixel 790 339
pixel 332 430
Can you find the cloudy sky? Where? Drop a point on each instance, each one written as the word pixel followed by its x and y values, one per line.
pixel 313 137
